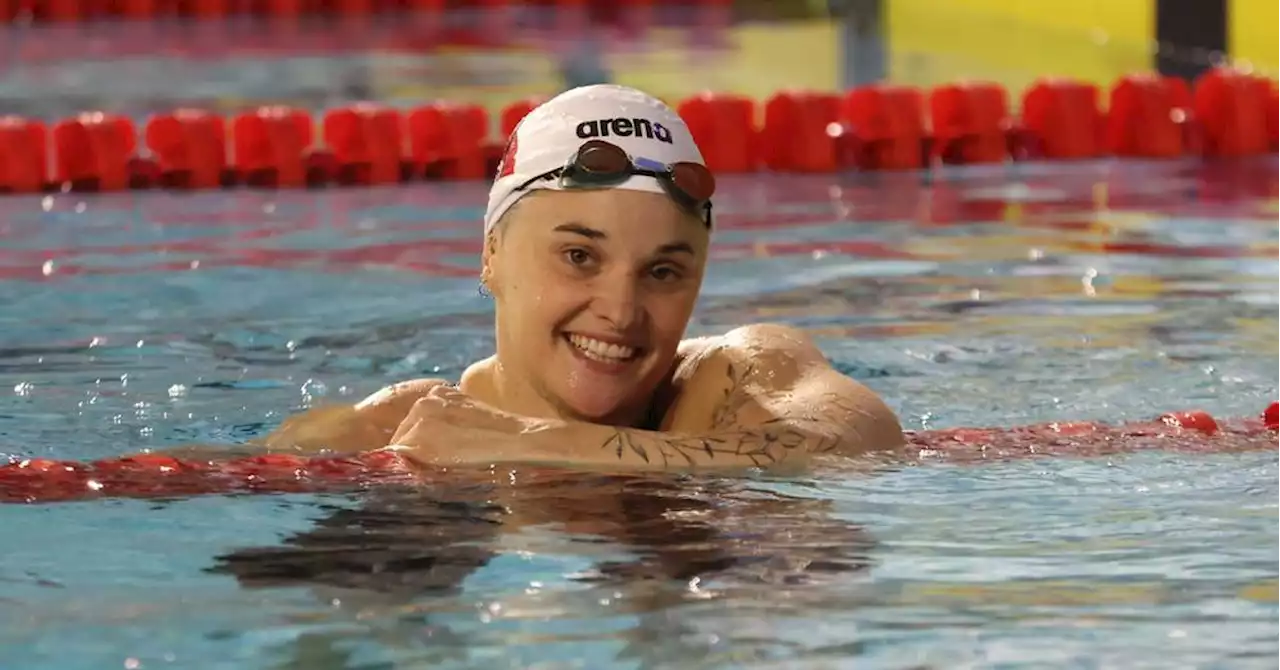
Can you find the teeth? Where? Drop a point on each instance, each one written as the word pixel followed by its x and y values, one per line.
pixel 602 351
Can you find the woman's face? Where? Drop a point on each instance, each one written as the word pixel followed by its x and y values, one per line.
pixel 593 292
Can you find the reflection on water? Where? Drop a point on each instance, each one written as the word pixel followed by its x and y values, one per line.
pixel 398 560
pixel 412 542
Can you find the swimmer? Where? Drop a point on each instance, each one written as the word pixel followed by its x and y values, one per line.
pixel 595 244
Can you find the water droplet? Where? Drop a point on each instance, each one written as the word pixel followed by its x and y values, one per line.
pixel 312 388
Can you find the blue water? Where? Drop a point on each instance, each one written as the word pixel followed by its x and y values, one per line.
pixel 987 298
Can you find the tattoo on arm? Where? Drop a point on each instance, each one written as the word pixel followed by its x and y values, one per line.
pixel 735 397
pixel 764 444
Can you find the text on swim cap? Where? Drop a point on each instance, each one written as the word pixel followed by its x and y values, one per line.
pixel 624 128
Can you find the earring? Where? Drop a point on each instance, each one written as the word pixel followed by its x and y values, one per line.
pixel 483 290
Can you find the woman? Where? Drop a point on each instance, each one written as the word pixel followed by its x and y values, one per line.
pixel 596 239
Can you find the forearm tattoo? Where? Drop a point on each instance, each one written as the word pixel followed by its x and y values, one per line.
pixel 768 443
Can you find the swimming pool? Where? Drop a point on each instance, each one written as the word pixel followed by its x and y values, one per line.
pixel 988 297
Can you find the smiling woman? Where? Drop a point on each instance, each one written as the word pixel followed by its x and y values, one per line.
pixel 593 291
pixel 596 239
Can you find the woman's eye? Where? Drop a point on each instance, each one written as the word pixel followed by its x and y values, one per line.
pixel 577 256
pixel 665 273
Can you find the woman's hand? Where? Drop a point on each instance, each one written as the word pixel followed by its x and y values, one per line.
pixel 449 427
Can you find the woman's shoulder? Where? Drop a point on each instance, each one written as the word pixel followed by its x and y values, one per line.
pixel 477 380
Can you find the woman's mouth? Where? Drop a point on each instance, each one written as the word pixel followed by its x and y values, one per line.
pixel 598 350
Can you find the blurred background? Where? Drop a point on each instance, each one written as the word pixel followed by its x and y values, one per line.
pixel 58 57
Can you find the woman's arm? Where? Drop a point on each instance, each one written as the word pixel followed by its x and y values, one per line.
pixel 364 426
pixel 766 396
pixel 763 396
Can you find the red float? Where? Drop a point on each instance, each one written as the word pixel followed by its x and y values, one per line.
pixel 970 123
pixel 800 128
pixel 1271 417
pixel 190 146
pixel 366 142
pixel 1193 420
pixel 93 151
pixel 1147 117
pixel 514 113
pixel 270 145
pixel 447 141
pixel 1231 110
pixel 1062 119
pixel 723 126
pixel 887 126
pixel 23 157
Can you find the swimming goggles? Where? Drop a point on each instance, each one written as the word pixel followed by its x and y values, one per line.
pixel 599 164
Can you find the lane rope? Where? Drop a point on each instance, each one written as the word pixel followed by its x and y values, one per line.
pixel 146 475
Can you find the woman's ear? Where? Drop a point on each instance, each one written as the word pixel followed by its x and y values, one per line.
pixel 489 262
pixel 491 256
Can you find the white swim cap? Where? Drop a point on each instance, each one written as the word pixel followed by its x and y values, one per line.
pixel 549 136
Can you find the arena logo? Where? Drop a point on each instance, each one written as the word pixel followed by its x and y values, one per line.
pixel 622 127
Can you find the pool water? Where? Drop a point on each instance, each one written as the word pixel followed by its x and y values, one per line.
pixel 986 297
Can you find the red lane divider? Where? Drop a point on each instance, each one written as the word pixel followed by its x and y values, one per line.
pixel 366 141
pixel 1232 109
pixel 1227 114
pixel 1061 118
pixel 513 113
pixel 93 151
pixel 270 146
pixel 1193 430
pixel 1148 117
pixel 190 147
pixel 159 476
pixel 886 126
pixel 23 155
pixel 723 125
pixel 570 14
pixel 37 480
pixel 797 135
pixel 971 123
pixel 448 141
